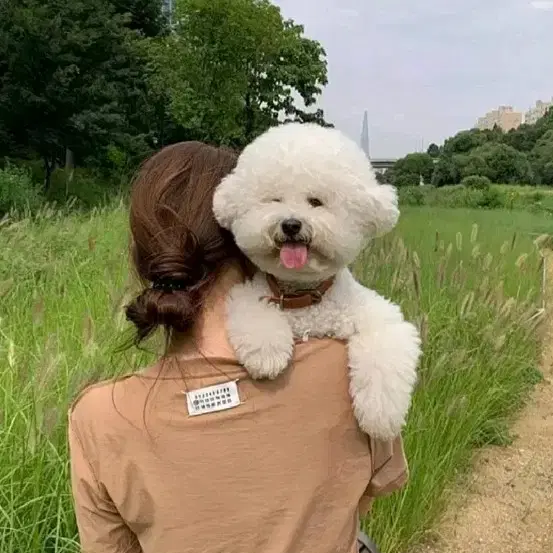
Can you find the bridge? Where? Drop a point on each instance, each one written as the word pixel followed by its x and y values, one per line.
pixel 382 164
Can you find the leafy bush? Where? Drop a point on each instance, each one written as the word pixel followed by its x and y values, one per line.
pixel 86 187
pixel 491 198
pixel 537 196
pixel 412 195
pixel 402 180
pixel 34 166
pixel 17 190
pixel 477 182
pixel 458 196
pixel 525 198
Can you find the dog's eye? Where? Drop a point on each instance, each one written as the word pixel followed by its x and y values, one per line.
pixel 315 202
pixel 276 200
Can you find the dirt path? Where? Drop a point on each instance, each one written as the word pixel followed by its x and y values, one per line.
pixel 509 504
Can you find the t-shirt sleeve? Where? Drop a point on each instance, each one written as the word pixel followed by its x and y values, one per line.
pixel 390 470
pixel 101 528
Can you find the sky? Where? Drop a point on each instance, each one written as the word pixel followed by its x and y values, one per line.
pixel 426 69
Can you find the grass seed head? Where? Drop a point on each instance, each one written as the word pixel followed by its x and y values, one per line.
pixel 459 241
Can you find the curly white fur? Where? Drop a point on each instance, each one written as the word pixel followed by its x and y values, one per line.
pixel 275 179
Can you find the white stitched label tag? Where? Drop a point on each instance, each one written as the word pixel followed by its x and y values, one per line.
pixel 213 398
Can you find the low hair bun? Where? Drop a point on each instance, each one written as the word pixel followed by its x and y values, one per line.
pixel 175 311
pixel 178 273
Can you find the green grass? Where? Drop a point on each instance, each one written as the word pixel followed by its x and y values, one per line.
pixel 64 280
pixel 471 279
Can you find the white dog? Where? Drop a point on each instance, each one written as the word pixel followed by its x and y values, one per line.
pixel 301 203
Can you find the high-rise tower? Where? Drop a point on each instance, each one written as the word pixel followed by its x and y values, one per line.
pixel 365 135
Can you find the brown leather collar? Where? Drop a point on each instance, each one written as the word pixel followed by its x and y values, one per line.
pixel 299 299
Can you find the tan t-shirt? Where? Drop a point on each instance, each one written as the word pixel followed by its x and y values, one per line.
pixel 286 471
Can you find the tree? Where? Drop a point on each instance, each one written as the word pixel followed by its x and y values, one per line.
pixel 66 77
pixel 541 158
pixel 446 172
pixel 385 177
pixel 505 164
pixel 301 116
pixel 143 16
pixel 433 150
pixel 146 110
pixel 408 170
pixel 525 137
pixel 522 138
pixel 470 164
pixel 234 67
pixel 297 65
pixel 465 141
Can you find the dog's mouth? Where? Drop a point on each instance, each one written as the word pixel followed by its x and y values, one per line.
pixel 293 254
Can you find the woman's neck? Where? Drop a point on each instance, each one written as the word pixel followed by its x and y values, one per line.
pixel 209 335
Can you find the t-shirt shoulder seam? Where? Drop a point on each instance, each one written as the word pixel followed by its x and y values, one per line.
pixel 96 386
pixel 72 429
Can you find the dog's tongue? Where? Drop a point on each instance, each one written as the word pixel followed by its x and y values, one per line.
pixel 293 256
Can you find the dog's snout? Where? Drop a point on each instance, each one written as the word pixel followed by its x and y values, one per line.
pixel 291 227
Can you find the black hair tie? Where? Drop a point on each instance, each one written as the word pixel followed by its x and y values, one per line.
pixel 168 285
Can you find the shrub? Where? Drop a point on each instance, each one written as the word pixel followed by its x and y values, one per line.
pixel 84 186
pixel 537 196
pixel 458 196
pixel 491 199
pixel 403 180
pixel 411 195
pixel 17 190
pixel 34 166
pixel 477 182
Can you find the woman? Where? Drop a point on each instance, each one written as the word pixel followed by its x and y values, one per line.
pixel 163 463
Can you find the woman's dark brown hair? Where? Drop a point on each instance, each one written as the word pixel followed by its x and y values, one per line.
pixel 178 249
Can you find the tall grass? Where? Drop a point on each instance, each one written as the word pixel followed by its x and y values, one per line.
pixel 64 281
pixel 478 309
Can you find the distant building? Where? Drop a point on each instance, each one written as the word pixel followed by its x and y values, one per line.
pixel 537 112
pixel 505 117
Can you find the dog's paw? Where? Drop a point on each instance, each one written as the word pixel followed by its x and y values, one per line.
pixel 259 334
pixel 268 361
pixel 377 421
pixel 383 374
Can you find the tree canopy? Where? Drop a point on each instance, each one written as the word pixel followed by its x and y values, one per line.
pixel 232 68
pixel 110 79
pixel 520 156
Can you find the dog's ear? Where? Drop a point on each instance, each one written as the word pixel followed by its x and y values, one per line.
pixel 225 201
pixel 382 209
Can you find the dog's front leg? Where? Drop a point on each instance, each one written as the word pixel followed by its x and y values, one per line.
pixel 383 353
pixel 258 332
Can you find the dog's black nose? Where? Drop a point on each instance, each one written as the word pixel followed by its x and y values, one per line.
pixel 291 227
